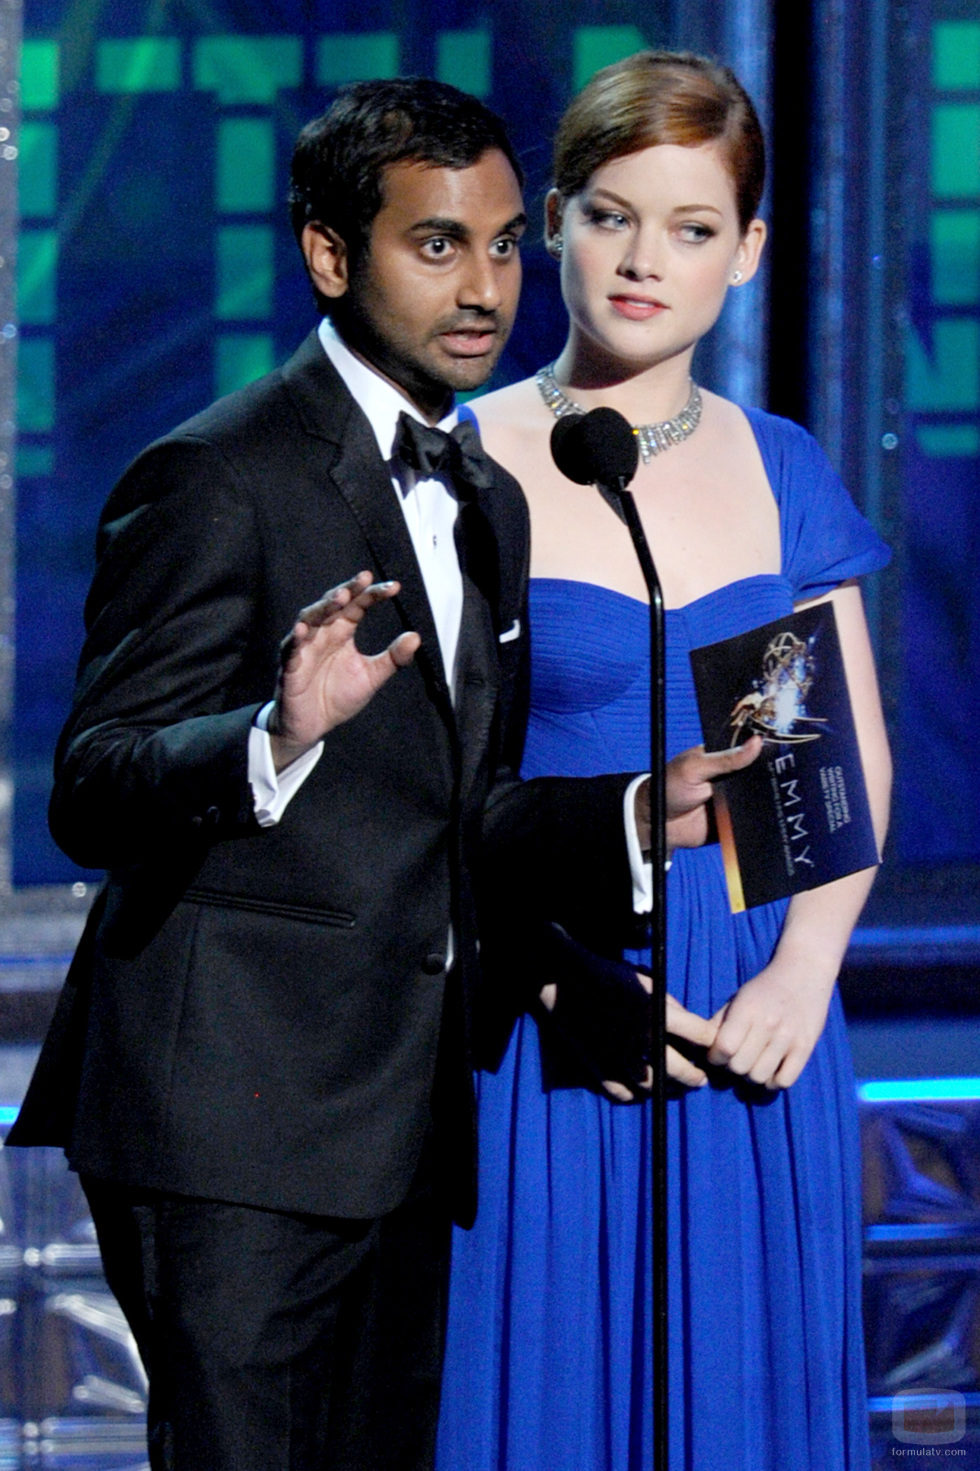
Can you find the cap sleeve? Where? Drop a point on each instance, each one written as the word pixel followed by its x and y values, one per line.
pixel 825 538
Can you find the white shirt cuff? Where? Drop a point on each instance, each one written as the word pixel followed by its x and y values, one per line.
pixel 272 791
pixel 641 868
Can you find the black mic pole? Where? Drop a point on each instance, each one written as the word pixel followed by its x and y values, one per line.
pixel 658 940
pixel 600 449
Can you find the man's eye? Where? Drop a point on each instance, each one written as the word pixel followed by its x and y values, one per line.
pixel 437 248
pixel 504 248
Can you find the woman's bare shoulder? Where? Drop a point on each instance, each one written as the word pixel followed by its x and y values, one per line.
pixel 506 406
pixel 728 413
pixel 514 425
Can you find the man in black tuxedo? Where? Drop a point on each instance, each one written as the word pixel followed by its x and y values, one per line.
pixel 261 1061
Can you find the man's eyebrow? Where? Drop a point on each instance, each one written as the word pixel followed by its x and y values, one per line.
pixel 456 230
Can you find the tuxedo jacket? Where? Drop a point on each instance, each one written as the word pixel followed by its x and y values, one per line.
pixel 264 1015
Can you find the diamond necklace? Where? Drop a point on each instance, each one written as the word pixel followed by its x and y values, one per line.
pixel 653 439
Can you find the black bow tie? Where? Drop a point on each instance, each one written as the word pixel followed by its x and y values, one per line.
pixel 457 456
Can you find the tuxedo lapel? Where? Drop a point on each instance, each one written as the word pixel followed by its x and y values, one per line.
pixel 476 681
pixel 357 471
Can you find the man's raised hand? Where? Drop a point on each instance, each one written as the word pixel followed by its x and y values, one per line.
pixel 324 679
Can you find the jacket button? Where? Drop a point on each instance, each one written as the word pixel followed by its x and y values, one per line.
pixel 434 965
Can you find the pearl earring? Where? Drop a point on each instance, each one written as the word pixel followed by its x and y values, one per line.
pixel 736 277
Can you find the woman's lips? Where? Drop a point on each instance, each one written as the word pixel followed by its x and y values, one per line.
pixel 636 308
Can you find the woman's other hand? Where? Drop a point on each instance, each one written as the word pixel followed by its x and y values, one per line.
pixel 769 1028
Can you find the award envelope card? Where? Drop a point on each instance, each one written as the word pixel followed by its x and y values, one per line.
pixel 799 815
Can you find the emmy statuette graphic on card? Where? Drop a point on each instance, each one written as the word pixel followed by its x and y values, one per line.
pixel 798 816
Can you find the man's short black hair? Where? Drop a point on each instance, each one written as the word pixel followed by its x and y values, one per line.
pixel 340 156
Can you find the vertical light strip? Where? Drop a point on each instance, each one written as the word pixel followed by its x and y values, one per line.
pixel 876 81
pixel 10 34
pixel 744 324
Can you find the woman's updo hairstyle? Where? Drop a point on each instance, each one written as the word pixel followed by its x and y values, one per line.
pixel 658 97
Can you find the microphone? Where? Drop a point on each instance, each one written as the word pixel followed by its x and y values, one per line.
pixel 598 448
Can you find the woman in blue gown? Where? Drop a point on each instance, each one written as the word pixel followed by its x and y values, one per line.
pixel 549 1363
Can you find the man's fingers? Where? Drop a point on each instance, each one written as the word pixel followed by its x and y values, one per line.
pixel 351 598
pixel 399 653
pixel 334 599
pixel 689 775
pixel 622 1093
pixel 682 1070
pixel 404 648
pixel 722 763
pixel 689 1024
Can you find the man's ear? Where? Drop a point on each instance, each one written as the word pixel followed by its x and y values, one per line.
pixel 326 259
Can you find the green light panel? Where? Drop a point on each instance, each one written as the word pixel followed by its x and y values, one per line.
pixel 140 64
pixel 463 59
pixel 37 262
pixel 342 58
pixel 944 441
pixel 955 150
pixel 34 459
pixel 245 272
pixel 37 173
pixel 242 358
pixel 948 378
pixel 246 166
pixel 35 385
pixel 956 55
pixel 244 69
pixel 39 75
pixel 595 46
pixel 955 241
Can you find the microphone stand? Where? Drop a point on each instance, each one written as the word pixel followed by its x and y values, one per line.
pixel 599 448
pixel 658 919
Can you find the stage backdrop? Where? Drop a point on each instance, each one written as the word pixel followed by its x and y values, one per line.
pixel 156 269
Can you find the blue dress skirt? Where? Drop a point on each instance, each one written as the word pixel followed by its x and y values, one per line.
pixel 549 1356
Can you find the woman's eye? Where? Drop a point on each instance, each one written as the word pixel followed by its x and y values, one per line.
pixel 696 233
pixel 607 219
